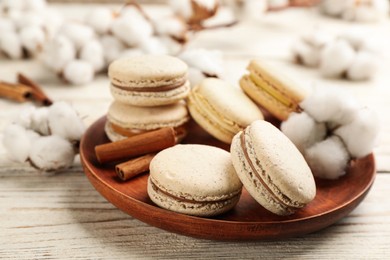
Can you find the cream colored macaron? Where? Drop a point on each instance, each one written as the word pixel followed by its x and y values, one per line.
pixel 149 80
pixel 272 169
pixel 125 120
pixel 221 109
pixel 192 179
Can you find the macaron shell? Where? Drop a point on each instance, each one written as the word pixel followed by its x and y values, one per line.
pixel 147 118
pixel 264 99
pixel 150 99
pixel 111 134
pixel 203 209
pixel 147 71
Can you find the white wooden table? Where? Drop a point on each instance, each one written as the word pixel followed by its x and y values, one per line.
pixel 62 216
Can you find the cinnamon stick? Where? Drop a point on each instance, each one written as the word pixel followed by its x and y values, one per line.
pixel 16 92
pixel 134 167
pixel 149 142
pixel 38 93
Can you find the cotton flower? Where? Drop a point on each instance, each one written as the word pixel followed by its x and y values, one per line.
pixel 194 11
pixel 171 26
pixel 11 45
pixel 112 47
pixel 248 9
pixel 24 117
pixel 32 38
pixel 363 67
pixel 131 52
pixel 328 159
pixel 92 52
pixel 39 121
pixel 58 52
pixel 6 25
pixel 195 76
pixel 100 19
pixel 360 134
pixel 64 122
pixel 78 72
pixel 303 130
pixel 210 62
pixel 336 59
pixel 35 5
pixel 50 153
pixel 154 45
pixel 131 27
pixel 278 3
pixel 17 142
pixel 335 7
pixel 53 21
pixel 79 34
pixel 30 18
pixel 7 5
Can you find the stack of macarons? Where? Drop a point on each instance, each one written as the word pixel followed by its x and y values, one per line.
pixel 149 93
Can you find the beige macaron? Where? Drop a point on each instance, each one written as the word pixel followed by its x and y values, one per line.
pixel 192 179
pixel 271 89
pixel 272 169
pixel 125 120
pixel 149 80
pixel 221 109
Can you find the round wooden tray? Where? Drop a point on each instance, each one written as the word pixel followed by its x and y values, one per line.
pixel 248 220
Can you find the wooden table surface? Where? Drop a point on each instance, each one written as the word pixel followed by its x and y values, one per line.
pixel 46 216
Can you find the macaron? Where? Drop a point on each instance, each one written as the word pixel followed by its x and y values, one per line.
pixel 270 89
pixel 192 179
pixel 272 169
pixel 221 109
pixel 125 120
pixel 149 80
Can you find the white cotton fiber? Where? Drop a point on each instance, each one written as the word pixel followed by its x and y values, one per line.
pixel 209 62
pixel 131 27
pixel 328 159
pixel 278 3
pixel 336 58
pixel 51 153
pixel 330 105
pixel 78 72
pixel 32 38
pixel 92 52
pixel 6 25
pixel 182 8
pixel 303 131
pixel 112 47
pixel 11 45
pixel 100 19
pixel 306 54
pixel 39 121
pixel 79 34
pixel 58 52
pixel 171 26
pixel 24 117
pixel 334 7
pixel 363 67
pixel 17 142
pixel 131 52
pixel 360 135
pixel 64 122
pixel 153 45
pixel 195 76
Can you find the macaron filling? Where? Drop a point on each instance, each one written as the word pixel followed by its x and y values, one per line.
pixel 223 200
pixel 284 201
pixel 162 88
pixel 261 82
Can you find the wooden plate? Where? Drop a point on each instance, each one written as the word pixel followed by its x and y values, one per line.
pixel 248 220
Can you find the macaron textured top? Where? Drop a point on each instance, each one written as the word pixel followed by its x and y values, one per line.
pixel 272 169
pixel 221 109
pixel 194 179
pixel 149 80
pixel 274 91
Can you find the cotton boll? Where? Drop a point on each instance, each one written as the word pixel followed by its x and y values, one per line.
pixel 195 76
pixel 130 53
pixel 30 18
pixel 11 45
pixel 17 142
pixel 39 121
pixel 6 25
pixel 8 5
pixel 306 54
pixel 208 4
pixel 78 33
pixel 92 52
pixel 24 117
pixel 78 72
pixel 64 122
pixel 112 47
pixel 182 8
pixel 174 47
pixel 335 7
pixel 360 134
pixel 209 62
pixel 52 22
pixel 317 38
pixel 153 45
pixel 171 26
pixel 248 9
pixel 303 131
pixel 363 67
pixel 131 28
pixel 100 19
pixel 278 3
pixel 355 37
pixel 32 38
pixel 50 153
pixel 58 52
pixel 336 59
pixel 35 5
pixel 328 159
pixel 330 105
